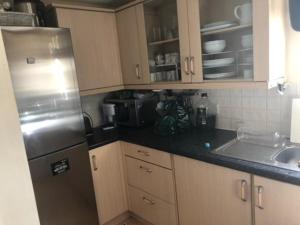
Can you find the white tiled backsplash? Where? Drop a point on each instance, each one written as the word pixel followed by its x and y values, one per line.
pixel 254 108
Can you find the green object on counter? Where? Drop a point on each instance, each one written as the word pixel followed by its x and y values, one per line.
pixel 173 119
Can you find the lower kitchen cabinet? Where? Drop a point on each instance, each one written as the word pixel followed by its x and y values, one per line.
pixel 211 195
pixel 151 185
pixel 109 181
pixel 150 208
pixel 276 203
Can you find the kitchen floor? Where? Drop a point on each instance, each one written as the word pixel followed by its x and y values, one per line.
pixel 131 221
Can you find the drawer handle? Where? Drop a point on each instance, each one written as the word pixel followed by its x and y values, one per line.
pixel 260 190
pixel 94 163
pixel 243 190
pixel 145 169
pixel 148 201
pixel 143 152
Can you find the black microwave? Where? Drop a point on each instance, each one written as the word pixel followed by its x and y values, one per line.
pixel 135 112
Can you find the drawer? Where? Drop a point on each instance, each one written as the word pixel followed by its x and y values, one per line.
pixel 151 209
pixel 153 179
pixel 148 154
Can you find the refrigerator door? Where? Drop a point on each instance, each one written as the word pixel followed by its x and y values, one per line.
pixel 63 187
pixel 43 74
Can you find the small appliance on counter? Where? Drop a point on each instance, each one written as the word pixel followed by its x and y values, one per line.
pixel 206 115
pixel 109 116
pixel 134 112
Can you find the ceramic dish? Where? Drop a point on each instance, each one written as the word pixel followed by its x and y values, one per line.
pixel 219 75
pixel 218 62
pixel 217 25
pixel 216 46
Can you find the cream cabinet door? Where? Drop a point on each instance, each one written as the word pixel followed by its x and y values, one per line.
pixel 190 40
pixel 96 47
pixel 276 203
pixel 109 181
pixel 211 195
pixel 133 45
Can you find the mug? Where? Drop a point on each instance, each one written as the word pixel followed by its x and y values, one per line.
pixel 244 13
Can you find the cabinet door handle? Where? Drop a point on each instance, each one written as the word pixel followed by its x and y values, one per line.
pixel 243 190
pixel 137 71
pixel 186 65
pixel 94 162
pixel 145 169
pixel 143 152
pixel 148 201
pixel 260 190
pixel 192 65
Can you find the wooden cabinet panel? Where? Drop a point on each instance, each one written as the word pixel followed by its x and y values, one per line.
pixel 153 179
pixel 151 209
pixel 148 154
pixel 280 202
pixel 132 45
pixel 211 195
pixel 96 47
pixel 109 181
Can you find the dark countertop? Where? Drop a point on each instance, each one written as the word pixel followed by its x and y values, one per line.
pixel 191 144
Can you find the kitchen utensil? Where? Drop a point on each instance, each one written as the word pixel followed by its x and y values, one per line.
pixel 217 25
pixel 218 62
pixel 247 41
pixel 244 13
pixel 151 62
pixel 216 46
pixel 219 75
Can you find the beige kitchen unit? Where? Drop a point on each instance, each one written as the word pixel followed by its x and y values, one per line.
pixel 253 55
pixel 109 181
pixel 276 203
pixel 151 186
pixel 96 48
pixel 211 195
pixel 133 49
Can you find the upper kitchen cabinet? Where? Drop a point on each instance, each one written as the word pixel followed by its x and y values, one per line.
pixel 161 23
pixel 133 46
pixel 232 40
pixel 96 47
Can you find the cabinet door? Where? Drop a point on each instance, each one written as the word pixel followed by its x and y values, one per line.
pixel 276 203
pixel 211 195
pixel 132 45
pixel 96 47
pixel 109 181
pixel 190 40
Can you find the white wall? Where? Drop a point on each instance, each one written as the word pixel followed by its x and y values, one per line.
pixel 17 201
pixel 256 108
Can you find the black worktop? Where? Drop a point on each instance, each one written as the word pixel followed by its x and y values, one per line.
pixel 196 144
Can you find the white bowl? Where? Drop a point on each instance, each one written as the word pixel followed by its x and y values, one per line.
pixel 217 46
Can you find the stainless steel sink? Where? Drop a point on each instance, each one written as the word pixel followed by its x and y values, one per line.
pixel 284 157
pixel 290 156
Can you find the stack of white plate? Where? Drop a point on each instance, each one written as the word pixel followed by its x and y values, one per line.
pixel 214 63
pixel 218 25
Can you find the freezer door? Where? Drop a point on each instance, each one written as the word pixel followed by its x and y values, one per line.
pixel 63 188
pixel 44 79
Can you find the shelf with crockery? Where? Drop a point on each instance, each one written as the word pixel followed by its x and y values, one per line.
pixel 227 41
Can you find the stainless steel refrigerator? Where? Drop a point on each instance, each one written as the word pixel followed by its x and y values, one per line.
pixel 43 75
